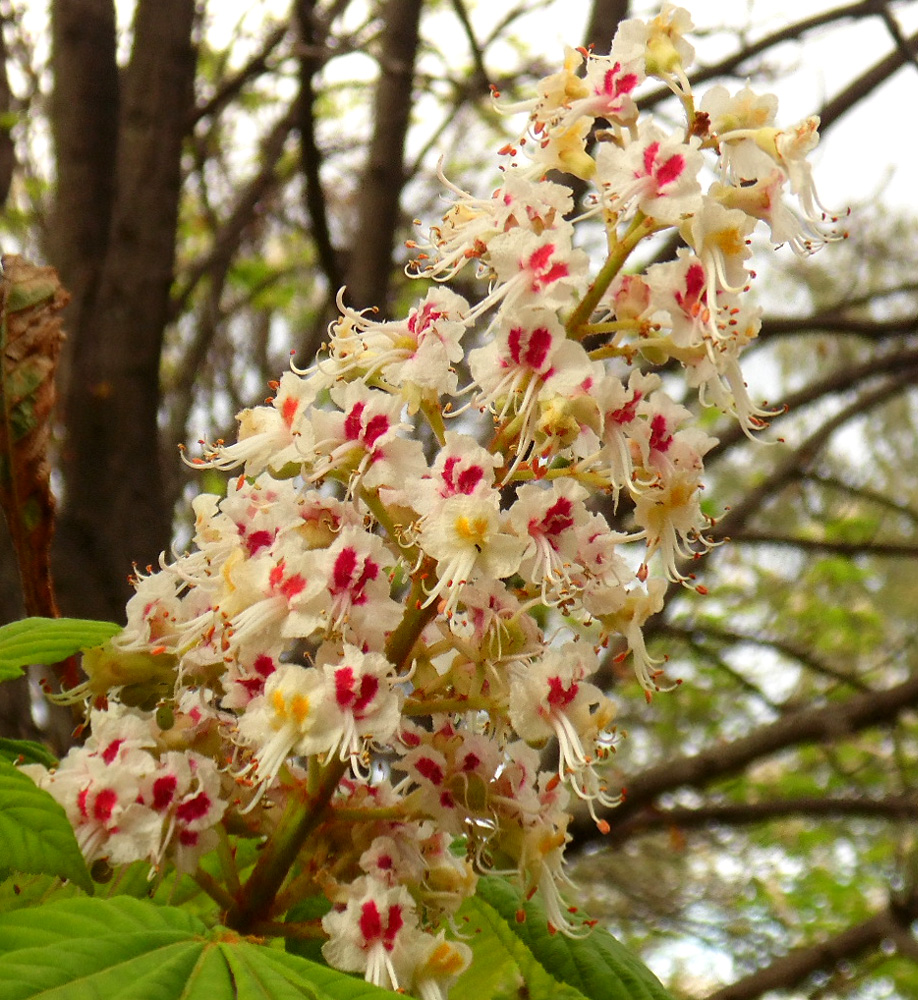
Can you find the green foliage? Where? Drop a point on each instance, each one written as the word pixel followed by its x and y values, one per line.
pixel 47 641
pixel 312 908
pixel 26 752
pixel 124 948
pixel 514 946
pixel 35 834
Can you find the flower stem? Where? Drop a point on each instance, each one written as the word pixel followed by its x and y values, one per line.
pixel 213 888
pixel 641 226
pixel 301 931
pixel 301 815
pixel 227 860
pixel 417 614
pixel 467 704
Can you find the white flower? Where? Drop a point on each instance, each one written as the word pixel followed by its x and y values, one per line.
pixel 469 539
pixel 371 932
pixel 657 173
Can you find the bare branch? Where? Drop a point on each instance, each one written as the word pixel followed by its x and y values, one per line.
pixel 791 970
pixel 832 322
pixel 862 493
pixel 732 64
pixel 734 814
pixel 842 379
pixel 235 83
pixel 832 722
pixel 214 267
pixel 226 242
pixel 605 17
pixel 801 456
pixel 865 548
pixel 892 25
pixel 867 82
pixel 310 156
pixel 481 72
pixel 660 627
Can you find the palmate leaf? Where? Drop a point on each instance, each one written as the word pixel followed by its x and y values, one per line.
pixel 124 949
pixel 595 966
pixel 35 834
pixel 47 641
pixel 31 299
pixel 502 968
pixel 26 752
pixel 22 892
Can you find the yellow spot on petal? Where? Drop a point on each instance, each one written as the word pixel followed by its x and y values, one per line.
pixel 731 241
pixel 472 529
pixel 445 960
pixel 299 707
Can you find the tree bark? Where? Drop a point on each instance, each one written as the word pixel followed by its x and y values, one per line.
pixel 605 18
pixel 114 510
pixel 84 127
pixel 370 265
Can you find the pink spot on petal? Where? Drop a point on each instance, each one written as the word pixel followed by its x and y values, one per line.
pixel 258 540
pixel 288 409
pixel 660 438
pixel 163 791
pixel 370 922
pixel 558 695
pixel 469 478
pixel 104 804
pixel 671 170
pixel 194 808
pixel 353 422
pixel 264 665
pixel 292 586
pixel 538 259
pixel 376 427
pixel 430 770
pixel 369 685
pixel 393 925
pixel 558 517
pixel 343 569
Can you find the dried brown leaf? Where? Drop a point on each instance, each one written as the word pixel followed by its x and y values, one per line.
pixel 31 299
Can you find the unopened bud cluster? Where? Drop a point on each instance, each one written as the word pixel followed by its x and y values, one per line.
pixel 412 578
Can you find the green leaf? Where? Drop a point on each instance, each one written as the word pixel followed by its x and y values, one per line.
pixel 596 965
pixel 502 968
pixel 26 752
pixel 19 891
pixel 48 640
pixel 124 949
pixel 311 908
pixel 35 834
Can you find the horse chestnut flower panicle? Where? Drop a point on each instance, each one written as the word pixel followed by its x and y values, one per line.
pixel 386 618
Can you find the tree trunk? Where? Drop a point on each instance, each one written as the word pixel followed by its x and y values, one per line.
pixel 370 265
pixel 114 510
